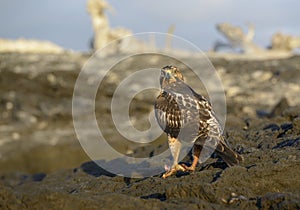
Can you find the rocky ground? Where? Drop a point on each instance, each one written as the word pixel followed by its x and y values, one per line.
pixel 43 166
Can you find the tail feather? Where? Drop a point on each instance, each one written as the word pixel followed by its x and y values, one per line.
pixel 228 155
pixel 222 148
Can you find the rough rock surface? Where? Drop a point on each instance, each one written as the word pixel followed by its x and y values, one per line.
pixel 42 165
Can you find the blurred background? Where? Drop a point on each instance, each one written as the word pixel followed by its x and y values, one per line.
pixel 67 23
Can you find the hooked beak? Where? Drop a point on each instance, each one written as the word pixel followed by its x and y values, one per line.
pixel 167 74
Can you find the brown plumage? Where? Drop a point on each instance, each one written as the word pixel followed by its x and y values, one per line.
pixel 187 116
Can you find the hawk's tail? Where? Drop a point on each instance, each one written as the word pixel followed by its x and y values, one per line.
pixel 228 155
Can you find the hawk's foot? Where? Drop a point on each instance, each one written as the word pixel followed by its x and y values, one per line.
pixel 191 168
pixel 173 170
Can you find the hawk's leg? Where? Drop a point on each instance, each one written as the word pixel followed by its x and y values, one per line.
pixel 196 154
pixel 175 147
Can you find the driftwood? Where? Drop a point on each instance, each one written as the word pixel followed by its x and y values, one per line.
pixel 237 38
pixel 103 34
pixel 284 42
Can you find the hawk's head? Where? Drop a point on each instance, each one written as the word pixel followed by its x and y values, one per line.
pixel 170 74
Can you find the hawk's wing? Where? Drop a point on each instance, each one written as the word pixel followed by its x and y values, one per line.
pixel 181 113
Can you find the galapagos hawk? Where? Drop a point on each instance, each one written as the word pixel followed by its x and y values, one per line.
pixel 186 116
